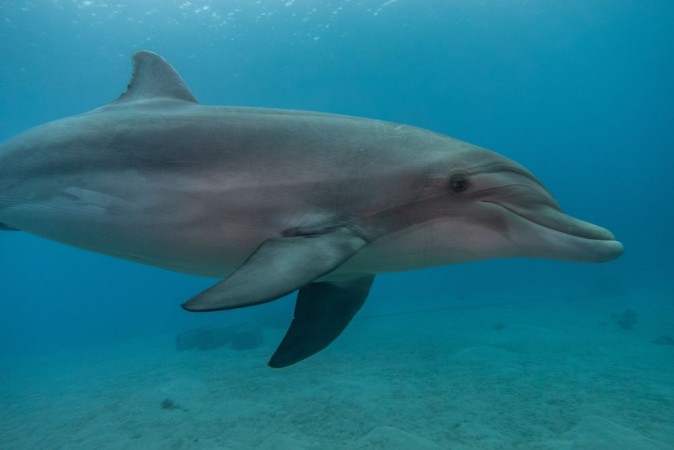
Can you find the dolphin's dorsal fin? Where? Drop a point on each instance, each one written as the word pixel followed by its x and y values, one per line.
pixel 154 78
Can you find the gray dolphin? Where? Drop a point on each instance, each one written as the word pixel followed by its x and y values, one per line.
pixel 273 201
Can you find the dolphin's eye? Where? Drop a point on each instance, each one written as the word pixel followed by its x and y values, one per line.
pixel 458 183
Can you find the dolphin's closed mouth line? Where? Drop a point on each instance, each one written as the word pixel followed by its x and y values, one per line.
pixel 595 237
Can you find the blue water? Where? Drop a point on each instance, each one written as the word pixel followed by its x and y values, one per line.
pixel 580 92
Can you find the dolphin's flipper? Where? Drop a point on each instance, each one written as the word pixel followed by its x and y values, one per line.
pixel 278 267
pixel 4 227
pixel 322 312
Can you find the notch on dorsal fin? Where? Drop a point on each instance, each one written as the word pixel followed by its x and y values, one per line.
pixel 154 78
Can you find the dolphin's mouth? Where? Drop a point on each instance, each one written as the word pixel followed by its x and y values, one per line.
pixel 583 240
pixel 555 219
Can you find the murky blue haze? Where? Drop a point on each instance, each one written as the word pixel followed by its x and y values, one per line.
pixel 580 92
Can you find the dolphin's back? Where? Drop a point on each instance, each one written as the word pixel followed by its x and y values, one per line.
pixel 161 135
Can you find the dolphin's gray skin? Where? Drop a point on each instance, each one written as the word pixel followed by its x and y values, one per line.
pixel 273 201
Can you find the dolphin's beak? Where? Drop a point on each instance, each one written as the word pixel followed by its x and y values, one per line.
pixel 566 237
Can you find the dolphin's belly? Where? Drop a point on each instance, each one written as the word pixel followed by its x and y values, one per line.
pixel 207 231
pixel 182 224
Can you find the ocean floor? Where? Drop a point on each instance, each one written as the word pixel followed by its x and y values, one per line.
pixel 534 374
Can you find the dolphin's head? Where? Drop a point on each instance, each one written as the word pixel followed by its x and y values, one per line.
pixel 477 204
pixel 499 208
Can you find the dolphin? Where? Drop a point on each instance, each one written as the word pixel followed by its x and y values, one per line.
pixel 272 201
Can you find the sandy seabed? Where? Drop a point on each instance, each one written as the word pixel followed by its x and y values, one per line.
pixel 553 374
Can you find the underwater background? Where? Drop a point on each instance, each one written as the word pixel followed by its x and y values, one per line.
pixel 512 353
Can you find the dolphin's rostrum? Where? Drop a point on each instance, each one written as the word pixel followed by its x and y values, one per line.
pixel 273 201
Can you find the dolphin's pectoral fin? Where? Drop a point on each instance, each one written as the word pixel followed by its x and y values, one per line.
pixel 322 312
pixel 278 267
